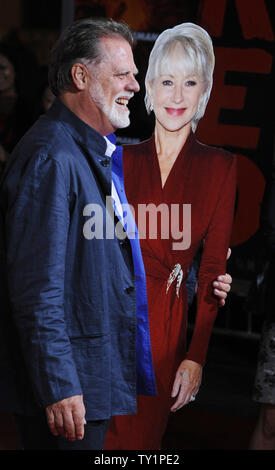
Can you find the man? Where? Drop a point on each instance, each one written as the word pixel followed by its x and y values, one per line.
pixel 71 330
pixel 73 299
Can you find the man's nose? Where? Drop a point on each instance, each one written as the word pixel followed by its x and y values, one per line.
pixel 133 84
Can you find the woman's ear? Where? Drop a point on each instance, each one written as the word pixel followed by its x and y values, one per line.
pixel 80 75
pixel 150 94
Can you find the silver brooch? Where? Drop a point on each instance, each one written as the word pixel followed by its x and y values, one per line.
pixel 177 274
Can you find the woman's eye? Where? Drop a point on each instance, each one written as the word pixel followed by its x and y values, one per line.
pixel 191 83
pixel 167 82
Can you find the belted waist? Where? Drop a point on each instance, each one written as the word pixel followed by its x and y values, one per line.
pixel 154 268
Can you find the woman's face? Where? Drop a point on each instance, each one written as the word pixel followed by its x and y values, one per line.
pixel 175 98
pixel 7 74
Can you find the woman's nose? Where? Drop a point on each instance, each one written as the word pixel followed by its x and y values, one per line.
pixel 178 94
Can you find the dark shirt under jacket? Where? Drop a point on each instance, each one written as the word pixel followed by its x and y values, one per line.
pixel 72 299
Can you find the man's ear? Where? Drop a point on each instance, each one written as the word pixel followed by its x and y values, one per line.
pixel 80 75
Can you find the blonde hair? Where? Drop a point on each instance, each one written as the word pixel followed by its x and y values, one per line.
pixel 196 55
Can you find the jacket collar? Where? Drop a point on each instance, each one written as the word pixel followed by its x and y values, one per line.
pixel 92 143
pixel 79 130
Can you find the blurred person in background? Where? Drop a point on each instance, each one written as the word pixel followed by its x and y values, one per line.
pixel 263 437
pixel 15 110
pixel 44 97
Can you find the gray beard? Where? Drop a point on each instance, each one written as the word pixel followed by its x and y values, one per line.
pixel 118 119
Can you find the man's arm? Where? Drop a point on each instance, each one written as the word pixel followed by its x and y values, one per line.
pixel 37 224
pixel 222 285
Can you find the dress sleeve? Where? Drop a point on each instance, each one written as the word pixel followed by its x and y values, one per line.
pixel 213 264
pixel 37 225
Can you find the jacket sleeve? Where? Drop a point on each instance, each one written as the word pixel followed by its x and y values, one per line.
pixel 213 263
pixel 37 224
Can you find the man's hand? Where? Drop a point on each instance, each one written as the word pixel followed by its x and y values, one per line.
pixel 67 417
pixel 222 285
pixel 221 288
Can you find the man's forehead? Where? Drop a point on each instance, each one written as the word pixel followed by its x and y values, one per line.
pixel 109 44
pixel 117 54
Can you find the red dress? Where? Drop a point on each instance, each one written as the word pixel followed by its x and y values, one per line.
pixel 204 177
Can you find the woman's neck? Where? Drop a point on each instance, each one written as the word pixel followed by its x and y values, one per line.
pixel 168 146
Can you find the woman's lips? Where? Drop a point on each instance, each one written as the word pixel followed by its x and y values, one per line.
pixel 175 111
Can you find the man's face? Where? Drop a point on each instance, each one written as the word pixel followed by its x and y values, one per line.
pixel 113 82
pixel 7 74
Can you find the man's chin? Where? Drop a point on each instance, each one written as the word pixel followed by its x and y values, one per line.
pixel 120 123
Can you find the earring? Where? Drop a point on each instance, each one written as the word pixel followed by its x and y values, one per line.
pixel 151 107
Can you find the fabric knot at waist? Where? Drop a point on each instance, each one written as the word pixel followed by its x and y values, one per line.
pixel 155 268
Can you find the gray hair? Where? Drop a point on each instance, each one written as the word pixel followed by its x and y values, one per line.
pixel 198 59
pixel 80 42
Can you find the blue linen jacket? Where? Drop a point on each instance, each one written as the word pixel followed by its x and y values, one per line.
pixel 68 303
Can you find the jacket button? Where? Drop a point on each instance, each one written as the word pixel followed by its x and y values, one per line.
pixel 105 161
pixel 129 289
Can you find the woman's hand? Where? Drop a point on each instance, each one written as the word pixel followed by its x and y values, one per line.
pixel 187 383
